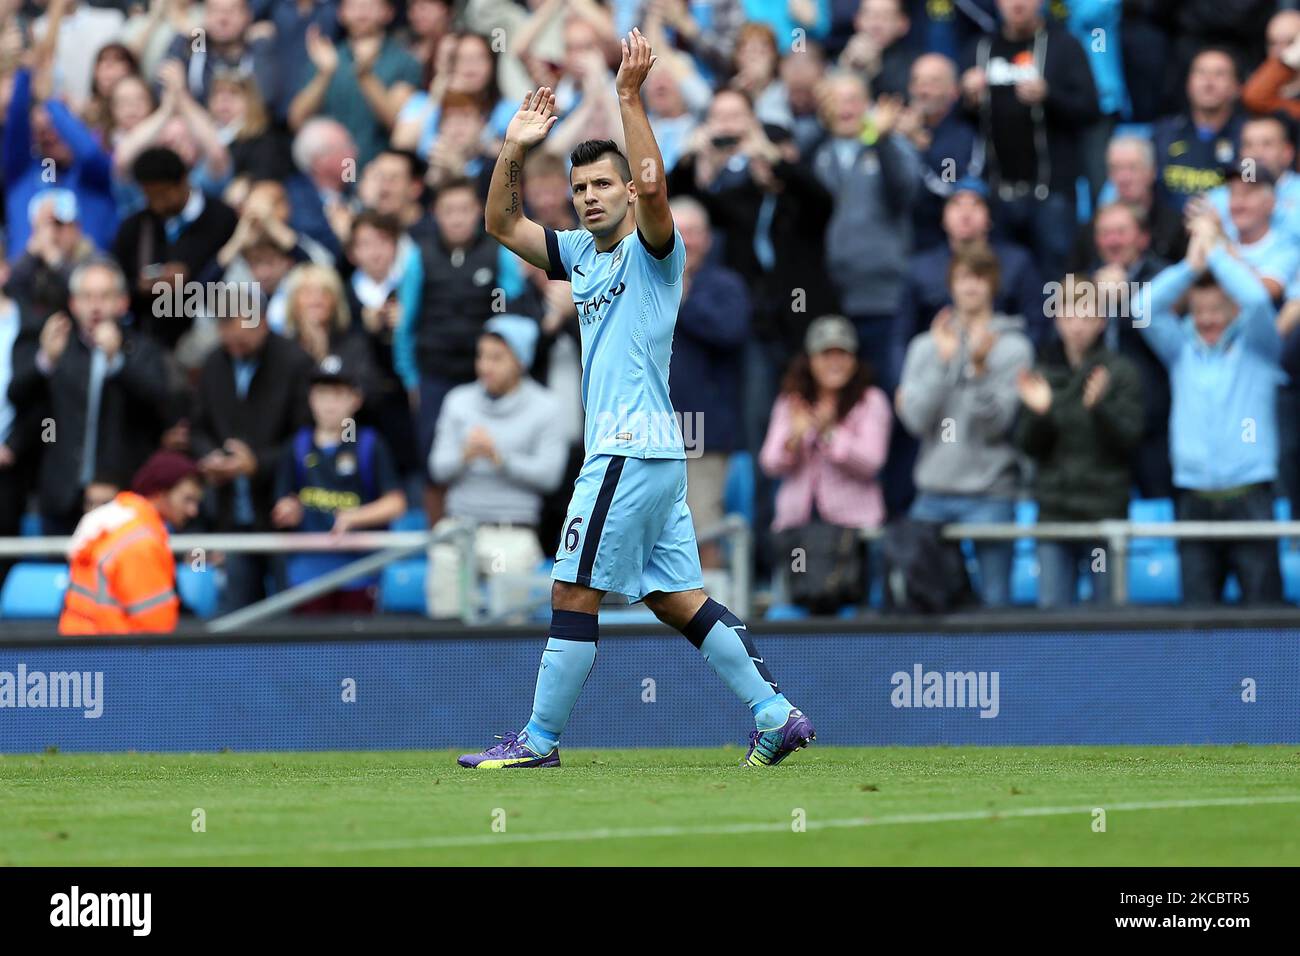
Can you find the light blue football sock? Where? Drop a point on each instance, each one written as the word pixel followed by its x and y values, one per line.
pixel 725 644
pixel 569 656
pixel 772 713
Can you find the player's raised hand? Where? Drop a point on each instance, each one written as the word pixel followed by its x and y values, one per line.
pixel 636 64
pixel 535 118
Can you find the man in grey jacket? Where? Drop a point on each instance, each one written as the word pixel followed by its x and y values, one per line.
pixel 958 396
pixel 500 445
pixel 874 174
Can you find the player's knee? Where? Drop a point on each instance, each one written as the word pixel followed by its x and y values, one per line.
pixel 675 608
pixel 574 597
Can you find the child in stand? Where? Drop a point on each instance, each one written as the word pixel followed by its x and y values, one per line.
pixel 335 477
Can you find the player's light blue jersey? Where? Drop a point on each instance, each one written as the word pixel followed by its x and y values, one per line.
pixel 627 301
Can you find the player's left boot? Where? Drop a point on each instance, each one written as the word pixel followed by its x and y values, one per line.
pixel 511 752
pixel 767 748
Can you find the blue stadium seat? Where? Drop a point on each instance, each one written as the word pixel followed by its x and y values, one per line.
pixel 29 526
pixel 197 590
pixel 1026 514
pixel 34 591
pixel 1024 580
pixel 401 587
pixel 413 520
pixel 1154 579
pixel 738 491
pixel 1291 575
pixel 1152 511
pixel 786 612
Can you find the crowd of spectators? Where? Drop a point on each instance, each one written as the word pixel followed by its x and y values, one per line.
pixel 940 255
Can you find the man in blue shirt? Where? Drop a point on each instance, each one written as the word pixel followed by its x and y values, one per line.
pixel 45 146
pixel 628 528
pixel 1224 372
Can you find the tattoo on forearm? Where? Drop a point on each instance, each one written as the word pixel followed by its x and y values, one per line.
pixel 513 169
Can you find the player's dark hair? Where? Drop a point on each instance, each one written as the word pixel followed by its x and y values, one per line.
pixel 415 166
pixel 158 164
pixel 799 381
pixel 1284 121
pixel 593 150
pixel 1223 51
pixel 388 224
pixel 1206 280
pixel 977 259
pixel 454 183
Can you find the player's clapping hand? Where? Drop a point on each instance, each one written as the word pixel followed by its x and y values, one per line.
pixel 888 111
pixel 54 337
pixel 1094 389
pixel 108 339
pixel 944 335
pixel 1034 391
pixel 321 51
pixel 801 421
pixel 636 64
pixel 287 512
pixel 479 444
pixel 980 343
pixel 535 118
pixel 1032 91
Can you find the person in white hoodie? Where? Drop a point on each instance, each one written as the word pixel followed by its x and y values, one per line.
pixel 500 445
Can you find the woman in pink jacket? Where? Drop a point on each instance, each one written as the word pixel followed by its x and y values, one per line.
pixel 827 443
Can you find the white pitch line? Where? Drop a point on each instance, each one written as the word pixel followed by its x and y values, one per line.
pixel 725 829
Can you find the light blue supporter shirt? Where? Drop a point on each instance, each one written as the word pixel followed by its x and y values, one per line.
pixel 1286 207
pixel 627 301
pixel 1223 424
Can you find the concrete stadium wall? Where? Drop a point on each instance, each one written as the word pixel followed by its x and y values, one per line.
pixel 653 690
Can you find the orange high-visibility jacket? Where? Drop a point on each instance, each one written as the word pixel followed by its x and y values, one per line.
pixel 121 576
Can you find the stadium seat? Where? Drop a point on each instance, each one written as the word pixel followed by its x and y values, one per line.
pixel 738 490
pixel 786 612
pixel 197 590
pixel 34 591
pixel 1024 580
pixel 1026 514
pixel 1154 579
pixel 413 520
pixel 1152 511
pixel 401 587
pixel 1291 575
pixel 30 525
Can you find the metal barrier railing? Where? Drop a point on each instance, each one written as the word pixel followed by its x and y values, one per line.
pixel 390 546
pixel 1117 534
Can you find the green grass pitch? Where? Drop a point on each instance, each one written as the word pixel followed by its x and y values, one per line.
pixel 856 806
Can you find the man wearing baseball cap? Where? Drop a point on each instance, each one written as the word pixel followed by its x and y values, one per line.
pixel 499 447
pixel 121 575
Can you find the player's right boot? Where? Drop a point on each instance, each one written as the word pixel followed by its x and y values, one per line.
pixel 511 752
pixel 767 748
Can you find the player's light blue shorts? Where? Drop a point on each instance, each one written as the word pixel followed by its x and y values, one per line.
pixel 628 529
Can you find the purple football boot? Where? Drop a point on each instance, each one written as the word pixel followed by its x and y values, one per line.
pixel 767 748
pixel 511 752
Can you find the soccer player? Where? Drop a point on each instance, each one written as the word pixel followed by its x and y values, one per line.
pixel 628 529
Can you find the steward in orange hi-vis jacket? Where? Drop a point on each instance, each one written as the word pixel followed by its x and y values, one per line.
pixel 121 576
